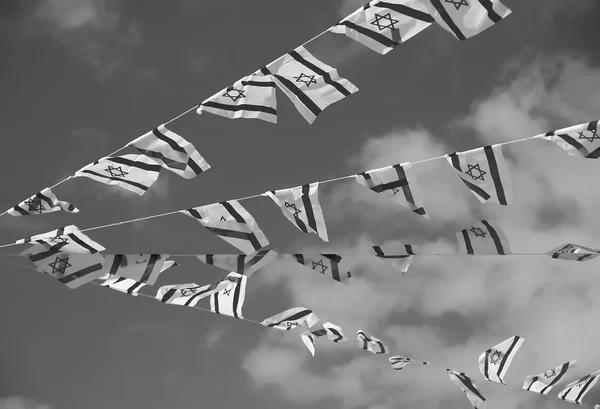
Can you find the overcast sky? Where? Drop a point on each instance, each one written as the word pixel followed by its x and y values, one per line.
pixel 81 78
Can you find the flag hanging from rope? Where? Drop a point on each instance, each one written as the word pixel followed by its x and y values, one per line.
pixel 382 25
pixel 334 333
pixel 68 239
pixel 581 140
pixel 189 294
pixel 573 252
pixel 396 183
pixel 482 238
pixel 399 362
pixel 171 151
pixel 292 318
pixel 239 263
pixel 544 382
pixel 325 264
pixel 310 339
pixel 575 391
pixel 231 222
pixel 310 84
pixel 469 388
pixel 371 344
pixel 41 203
pixel 485 172
pixel 135 173
pixel 399 259
pixel 300 205
pixel 229 301
pixel 123 285
pixel 143 268
pixel 250 97
pixel 494 362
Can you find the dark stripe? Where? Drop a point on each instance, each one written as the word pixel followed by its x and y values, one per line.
pixel 319 333
pixel 45 199
pixel 240 264
pixel 302 97
pixel 294 317
pixel 128 182
pixel 594 155
pixel 134 287
pixel 409 250
pixel 336 333
pixel 52 251
pixel 534 380
pixel 83 244
pixel 378 251
pixel 171 163
pixel 574 143
pixel 270 84
pixel 592 126
pixel 230 233
pixel 81 273
pixel 388 186
pixel 22 211
pixel 194 213
pixel 326 76
pixel 455 161
pixel 495 172
pixel 495 237
pixel 172 144
pixel 492 15
pixel 563 370
pixel 506 356
pixel 236 298
pixel 215 298
pixel 486 366
pixel 194 166
pixel 373 35
pixel 583 390
pixel 467 240
pixel 469 385
pixel 476 189
pixel 310 215
pixel 364 339
pixel 240 107
pixel 238 217
pixel 407 11
pixel 335 272
pixel 210 259
pixel 447 19
pixel 117 262
pixel 149 267
pixel 256 259
pixel 299 258
pixel 405 185
pixel 170 293
pixel 199 294
pixel 135 164
pixel 420 211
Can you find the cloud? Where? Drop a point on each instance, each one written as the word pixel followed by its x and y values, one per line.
pixel 448 310
pixel 18 402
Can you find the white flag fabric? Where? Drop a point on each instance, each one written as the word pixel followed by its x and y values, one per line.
pixel 573 252
pixel 575 391
pixel 396 183
pixel 399 362
pixel 135 173
pixel 581 140
pixel 382 25
pixel 143 268
pixel 300 205
pixel 41 203
pixel 400 259
pixel 253 96
pixel 229 301
pixel 310 84
pixel 544 382
pixel 72 270
pixel 325 264
pixel 482 238
pixel 310 339
pixel 292 318
pixel 466 18
pixel 124 285
pixel 239 263
pixel 485 172
pixel 469 388
pixel 68 239
pixel 494 363
pixel 189 294
pixel 370 343
pixel 231 222
pixel 171 151
pixel 334 333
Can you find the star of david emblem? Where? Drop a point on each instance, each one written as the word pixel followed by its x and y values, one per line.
pixel 35 205
pixel 386 19
pixel 320 265
pixel 395 191
pixel 223 219
pixel 60 265
pixel 591 138
pixel 458 3
pixel 189 291
pixel 477 231
pixel 495 357
pixel 140 262
pixel 478 169
pixel 115 171
pixel 59 239
pixel 227 291
pixel 549 374
pixel 306 79
pixel 237 94
pixel 294 209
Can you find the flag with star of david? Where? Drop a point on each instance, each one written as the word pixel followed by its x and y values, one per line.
pixel 332 331
pixel 135 173
pixel 396 183
pixel 325 264
pixel 466 18
pixel 310 84
pixel 251 97
pixel 231 222
pixel 300 205
pixel 575 391
pixel 143 268
pixel 382 25
pixel 581 140
pixel 371 344
pixel 482 238
pixel 189 294
pixel 171 151
pixel 41 203
pixel 485 172
pixel 229 301
pixel 573 252
pixel 123 285
pixel 399 362
pixel 292 318
pixel 69 239
pixel 239 263
pixel 544 382
pixel 468 387
pixel 494 363
pixel 400 259
pixel 70 269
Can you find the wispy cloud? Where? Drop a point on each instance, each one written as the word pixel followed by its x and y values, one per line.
pixel 18 402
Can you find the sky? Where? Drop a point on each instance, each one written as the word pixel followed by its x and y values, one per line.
pixel 81 78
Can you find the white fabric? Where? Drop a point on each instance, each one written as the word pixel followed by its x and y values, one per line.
pixel 324 264
pixel 371 344
pixel 544 382
pixel 143 268
pixel 581 140
pixel 68 239
pixel 189 294
pixel 41 203
pixel 494 363
pixel 292 318
pixel 230 301
pixel 575 391
pixel 482 238
pixel 573 252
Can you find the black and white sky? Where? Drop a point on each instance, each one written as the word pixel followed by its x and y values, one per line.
pixel 81 78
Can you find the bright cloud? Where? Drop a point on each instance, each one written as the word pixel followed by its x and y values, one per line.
pixel 18 402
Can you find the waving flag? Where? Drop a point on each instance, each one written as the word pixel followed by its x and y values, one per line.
pixel 484 172
pixel 251 97
pixel 544 382
pixel 466 18
pixel 573 252
pixel 189 294
pixel 68 239
pixel 399 362
pixel 240 263
pixel 230 300
pixel 310 339
pixel 399 259
pixel 579 140
pixel 123 285
pixel 171 151
pixel 334 333
pixel 370 343
pixel 143 268
pixel 135 173
pixel 382 25
pixel 575 391
pixel 292 318
pixel 41 203
pixel 230 221
pixel 325 264
pixel 494 362
pixel 469 388
pixel 482 238
pixel 394 183
pixel 300 205
pixel 310 84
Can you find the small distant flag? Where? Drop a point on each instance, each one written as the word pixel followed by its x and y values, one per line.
pixel 482 238
pixel 575 391
pixel 544 382
pixel 581 140
pixel 573 252
pixel 371 344
pixel 292 318
pixel 399 362
pixel 41 203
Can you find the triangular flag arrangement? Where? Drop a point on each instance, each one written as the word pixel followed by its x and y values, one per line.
pixel 581 140
pixel 68 239
pixel 482 238
pixel 41 203
pixel 544 382
pixel 399 362
pixel 240 263
pixel 371 344
pixel 573 252
pixel 292 318
pixel 325 264
pixel 494 362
